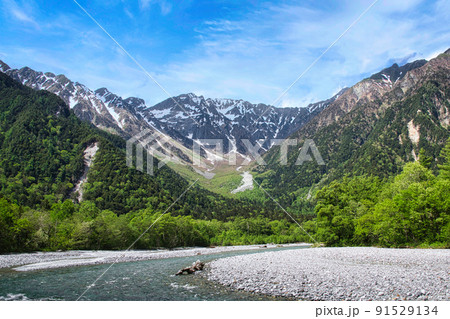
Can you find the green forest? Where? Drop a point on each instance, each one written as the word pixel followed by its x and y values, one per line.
pixel 41 159
pixel 410 210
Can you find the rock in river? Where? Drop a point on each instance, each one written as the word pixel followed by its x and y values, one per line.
pixel 196 266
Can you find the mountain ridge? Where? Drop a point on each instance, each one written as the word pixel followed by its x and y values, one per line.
pixel 220 118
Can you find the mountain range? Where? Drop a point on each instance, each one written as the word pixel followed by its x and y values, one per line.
pixel 179 121
pixel 343 126
pixel 47 154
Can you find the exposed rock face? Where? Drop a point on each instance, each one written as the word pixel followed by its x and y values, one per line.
pixel 4 67
pixel 381 89
pixel 89 155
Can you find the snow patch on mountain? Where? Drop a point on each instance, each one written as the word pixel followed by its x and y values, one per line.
pixel 246 183
pixel 115 115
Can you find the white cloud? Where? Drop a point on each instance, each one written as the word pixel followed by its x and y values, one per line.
pixel 397 6
pixel 165 6
pixel 261 54
pixel 256 56
pixel 21 13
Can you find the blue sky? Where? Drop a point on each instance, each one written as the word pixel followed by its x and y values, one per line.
pixel 238 49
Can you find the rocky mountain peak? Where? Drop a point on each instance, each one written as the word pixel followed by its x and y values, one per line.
pixel 105 93
pixel 134 102
pixel 3 66
pixel 395 72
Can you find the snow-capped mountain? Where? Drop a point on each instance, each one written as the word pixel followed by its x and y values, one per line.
pixel 231 120
pixel 102 108
pixel 181 120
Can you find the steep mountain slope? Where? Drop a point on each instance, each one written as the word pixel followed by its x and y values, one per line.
pixel 87 105
pixel 46 151
pixel 373 128
pixel 104 109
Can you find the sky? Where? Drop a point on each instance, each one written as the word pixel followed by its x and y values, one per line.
pixel 251 50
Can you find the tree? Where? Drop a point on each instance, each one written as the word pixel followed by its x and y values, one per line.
pixel 424 160
pixel 444 168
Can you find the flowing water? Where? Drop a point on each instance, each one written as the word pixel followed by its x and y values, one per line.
pixel 142 280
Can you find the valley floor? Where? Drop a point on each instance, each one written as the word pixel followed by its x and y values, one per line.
pixel 350 273
pixel 51 260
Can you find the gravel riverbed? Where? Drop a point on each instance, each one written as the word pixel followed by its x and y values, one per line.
pixel 350 273
pixel 50 260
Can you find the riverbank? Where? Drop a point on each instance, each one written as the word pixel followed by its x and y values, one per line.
pixel 52 260
pixel 350 273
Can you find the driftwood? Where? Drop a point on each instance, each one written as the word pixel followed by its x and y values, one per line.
pixel 196 266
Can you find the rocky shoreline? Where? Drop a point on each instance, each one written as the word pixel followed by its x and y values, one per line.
pixel 350 273
pixel 51 260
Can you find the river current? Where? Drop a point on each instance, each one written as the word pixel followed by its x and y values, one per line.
pixel 142 280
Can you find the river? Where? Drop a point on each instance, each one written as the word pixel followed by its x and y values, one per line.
pixel 142 280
